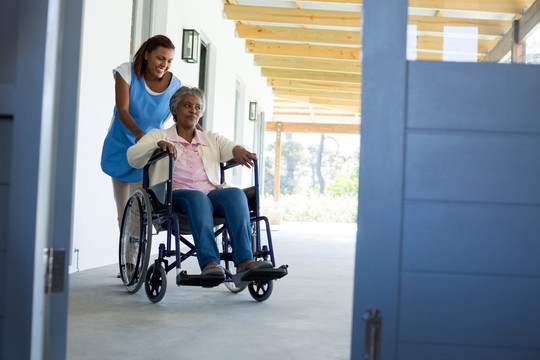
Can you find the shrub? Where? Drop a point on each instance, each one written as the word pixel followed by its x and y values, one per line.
pixel 314 207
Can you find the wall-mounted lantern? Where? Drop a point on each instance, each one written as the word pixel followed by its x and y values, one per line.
pixel 190 46
pixel 252 110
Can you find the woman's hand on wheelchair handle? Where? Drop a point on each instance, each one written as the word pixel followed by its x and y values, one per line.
pixel 244 157
pixel 167 146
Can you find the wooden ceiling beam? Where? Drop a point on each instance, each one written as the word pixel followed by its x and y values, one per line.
pixel 314 51
pixel 355 104
pixel 317 94
pixel 354 110
pixel 306 112
pixel 435 43
pixel 303 63
pixel 319 128
pixel 281 33
pixel 436 56
pixel 293 16
pixel 437 24
pixel 311 75
pixel 354 2
pixel 514 7
pixel 306 84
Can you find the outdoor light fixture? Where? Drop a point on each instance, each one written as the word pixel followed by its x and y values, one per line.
pixel 252 110
pixel 190 46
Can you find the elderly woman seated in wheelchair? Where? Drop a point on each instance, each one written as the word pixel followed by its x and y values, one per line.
pixel 197 204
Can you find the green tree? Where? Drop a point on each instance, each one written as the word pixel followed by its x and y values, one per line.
pixel 293 155
pixel 325 162
pixel 346 182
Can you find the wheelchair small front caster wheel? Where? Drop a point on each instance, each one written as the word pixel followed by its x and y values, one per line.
pixel 261 290
pixel 156 283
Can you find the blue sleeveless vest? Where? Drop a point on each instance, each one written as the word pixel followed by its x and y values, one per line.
pixel 149 112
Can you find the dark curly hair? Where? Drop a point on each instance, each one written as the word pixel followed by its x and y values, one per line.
pixel 139 63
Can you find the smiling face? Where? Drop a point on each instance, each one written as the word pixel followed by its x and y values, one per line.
pixel 188 113
pixel 158 62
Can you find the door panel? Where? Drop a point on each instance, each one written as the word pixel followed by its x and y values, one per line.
pixel 490 97
pixel 449 202
pixel 471 238
pixel 429 352
pixel 465 166
pixel 473 310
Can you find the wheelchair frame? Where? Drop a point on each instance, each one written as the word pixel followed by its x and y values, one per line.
pixel 154 208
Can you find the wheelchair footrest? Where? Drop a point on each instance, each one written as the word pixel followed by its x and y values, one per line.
pixel 265 274
pixel 207 281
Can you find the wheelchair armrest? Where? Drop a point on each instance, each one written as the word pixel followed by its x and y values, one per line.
pixel 252 193
pixel 229 164
pixel 232 163
pixel 157 155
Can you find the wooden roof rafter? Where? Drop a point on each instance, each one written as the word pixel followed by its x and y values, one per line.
pixel 310 50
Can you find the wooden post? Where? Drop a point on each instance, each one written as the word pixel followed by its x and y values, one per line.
pixel 277 161
pixel 518 53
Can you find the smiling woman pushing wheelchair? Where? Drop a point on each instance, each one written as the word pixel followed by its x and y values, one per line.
pixel 198 191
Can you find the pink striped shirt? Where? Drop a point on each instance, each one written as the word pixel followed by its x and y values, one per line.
pixel 189 171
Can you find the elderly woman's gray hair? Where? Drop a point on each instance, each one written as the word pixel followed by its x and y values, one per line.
pixel 183 91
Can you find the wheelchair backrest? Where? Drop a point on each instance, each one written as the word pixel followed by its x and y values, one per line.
pixel 159 189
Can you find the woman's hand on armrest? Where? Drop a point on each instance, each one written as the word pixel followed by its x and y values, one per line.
pixel 167 146
pixel 244 157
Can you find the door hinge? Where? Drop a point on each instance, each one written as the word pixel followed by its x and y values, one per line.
pixel 372 346
pixel 55 261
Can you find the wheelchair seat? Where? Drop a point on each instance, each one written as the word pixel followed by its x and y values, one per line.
pixel 151 207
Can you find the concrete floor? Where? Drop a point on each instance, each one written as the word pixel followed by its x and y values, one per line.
pixel 308 315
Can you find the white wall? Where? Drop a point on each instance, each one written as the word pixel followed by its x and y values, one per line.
pixel 229 58
pixel 229 61
pixel 106 41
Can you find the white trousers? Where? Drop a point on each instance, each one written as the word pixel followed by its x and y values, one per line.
pixel 122 191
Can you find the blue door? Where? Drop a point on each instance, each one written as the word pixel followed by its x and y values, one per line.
pixel 448 254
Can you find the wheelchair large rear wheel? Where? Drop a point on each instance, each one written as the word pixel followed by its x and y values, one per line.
pixel 135 240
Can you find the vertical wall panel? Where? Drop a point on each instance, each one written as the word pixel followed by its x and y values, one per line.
pixel 381 168
pixel 5 165
pixel 8 45
pixel 29 33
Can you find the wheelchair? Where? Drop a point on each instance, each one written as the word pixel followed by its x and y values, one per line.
pixel 150 207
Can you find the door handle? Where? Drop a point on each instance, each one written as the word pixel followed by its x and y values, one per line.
pixel 372 346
